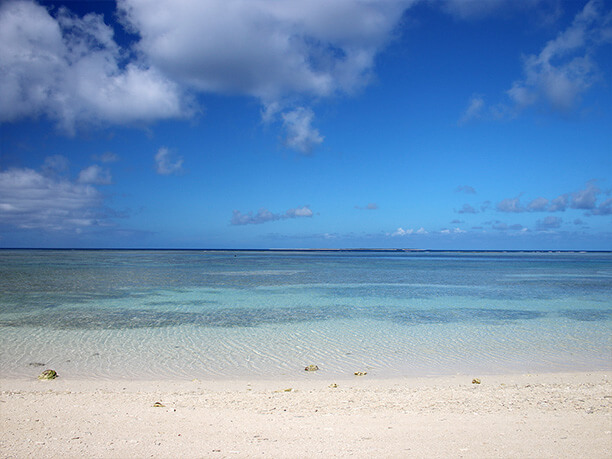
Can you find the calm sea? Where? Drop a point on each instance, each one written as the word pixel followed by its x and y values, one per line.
pixel 224 314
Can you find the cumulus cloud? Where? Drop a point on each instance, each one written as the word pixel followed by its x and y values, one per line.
pixel 510 205
pixel 167 162
pixel 564 69
pixel 407 232
pixel 31 200
pixel 538 205
pixel 585 199
pixel 559 204
pixel 264 215
pixel 605 208
pixel 70 70
pixel 95 175
pixel 268 50
pixel 273 51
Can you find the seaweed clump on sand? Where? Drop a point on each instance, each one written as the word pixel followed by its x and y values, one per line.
pixel 48 374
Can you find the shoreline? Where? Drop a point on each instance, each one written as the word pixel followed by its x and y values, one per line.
pixel 508 415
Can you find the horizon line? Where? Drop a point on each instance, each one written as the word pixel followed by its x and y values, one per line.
pixel 314 249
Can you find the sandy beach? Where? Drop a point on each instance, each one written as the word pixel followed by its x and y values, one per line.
pixel 536 415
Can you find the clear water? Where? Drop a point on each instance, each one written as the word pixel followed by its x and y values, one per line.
pixel 198 314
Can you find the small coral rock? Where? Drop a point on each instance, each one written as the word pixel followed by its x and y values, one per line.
pixel 311 368
pixel 48 374
pixel 475 381
pixel 361 373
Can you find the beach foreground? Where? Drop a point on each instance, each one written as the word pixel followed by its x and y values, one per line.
pixel 538 415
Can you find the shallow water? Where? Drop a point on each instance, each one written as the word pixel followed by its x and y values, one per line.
pixel 198 314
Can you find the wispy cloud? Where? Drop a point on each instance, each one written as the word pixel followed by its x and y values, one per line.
pixel 301 135
pixel 549 223
pixel 467 209
pixel 473 111
pixel 167 162
pixel 467 189
pixel 264 215
pixel 564 69
pixel 369 206
pixel 95 175
pixel 452 231
pixel 55 165
pixel 106 157
pixel 503 226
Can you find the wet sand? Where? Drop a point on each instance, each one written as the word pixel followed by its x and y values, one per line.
pixel 538 415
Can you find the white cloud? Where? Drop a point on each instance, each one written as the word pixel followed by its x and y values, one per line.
pixel 559 204
pixel 68 68
pixel 95 175
pixel 264 49
pixel 564 69
pixel 276 52
pixel 549 223
pixel 452 231
pixel 56 164
pixel 168 163
pixel 106 157
pixel 303 211
pixel 538 205
pixel 605 208
pixel 510 205
pixel 31 200
pixel 369 206
pixel 264 216
pixel 301 136
pixel 473 110
pixel 467 209
pixel 407 232
pixel 468 9
pixel 585 199
pixel 467 189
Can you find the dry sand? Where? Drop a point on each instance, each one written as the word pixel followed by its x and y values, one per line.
pixel 544 415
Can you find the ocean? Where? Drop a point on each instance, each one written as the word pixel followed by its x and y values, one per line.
pixel 137 314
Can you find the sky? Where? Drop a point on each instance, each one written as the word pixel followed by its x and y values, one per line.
pixel 425 124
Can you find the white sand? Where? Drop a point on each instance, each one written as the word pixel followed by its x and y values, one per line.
pixel 546 415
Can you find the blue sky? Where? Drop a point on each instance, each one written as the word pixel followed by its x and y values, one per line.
pixel 440 124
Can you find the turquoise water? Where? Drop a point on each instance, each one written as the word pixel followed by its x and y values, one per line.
pixel 199 314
